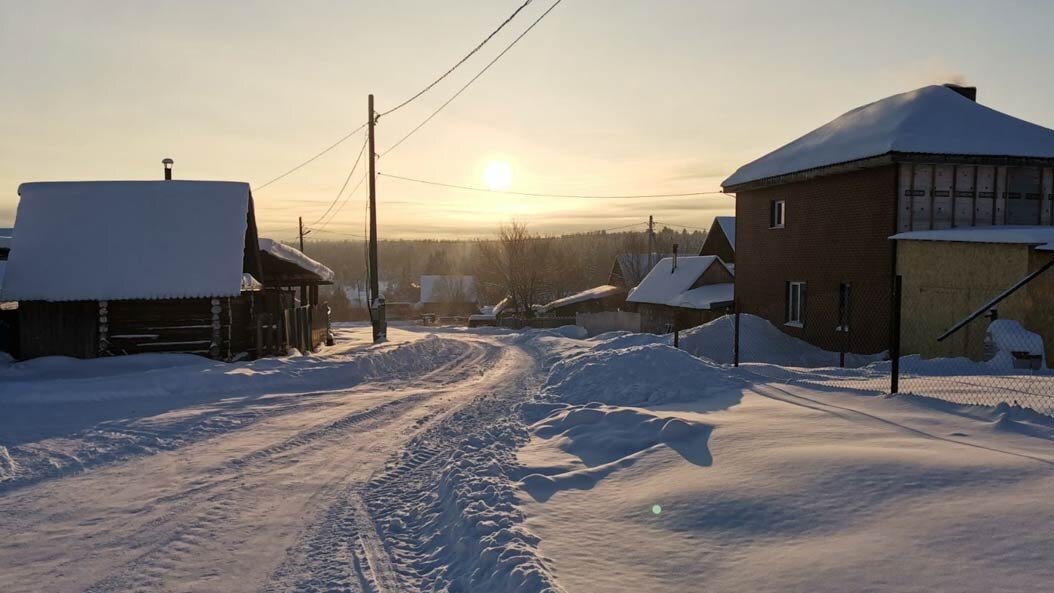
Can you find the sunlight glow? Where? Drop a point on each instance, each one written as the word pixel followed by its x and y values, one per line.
pixel 498 175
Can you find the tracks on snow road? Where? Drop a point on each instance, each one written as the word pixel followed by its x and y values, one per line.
pixel 266 507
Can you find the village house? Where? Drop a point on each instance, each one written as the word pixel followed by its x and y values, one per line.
pixel 683 292
pixel 449 296
pixel 102 268
pixel 721 240
pixel 630 268
pixel 814 218
pixel 592 300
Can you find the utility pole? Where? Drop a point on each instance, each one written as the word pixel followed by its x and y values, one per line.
pixel 377 316
pixel 303 289
pixel 301 234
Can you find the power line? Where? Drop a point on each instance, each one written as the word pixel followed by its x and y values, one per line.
pixel 345 202
pixel 344 186
pixel 543 195
pixel 459 63
pixel 473 79
pixel 682 226
pixel 312 159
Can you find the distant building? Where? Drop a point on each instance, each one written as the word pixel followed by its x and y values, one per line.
pixel 592 300
pixel 683 292
pixel 813 218
pixel 721 240
pixel 449 296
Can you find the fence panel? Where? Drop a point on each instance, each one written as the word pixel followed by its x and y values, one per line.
pixel 606 321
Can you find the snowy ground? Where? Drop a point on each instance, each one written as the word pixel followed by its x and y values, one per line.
pixel 492 461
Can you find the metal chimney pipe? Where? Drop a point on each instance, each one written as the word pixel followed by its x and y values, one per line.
pixel 674 268
pixel 168 168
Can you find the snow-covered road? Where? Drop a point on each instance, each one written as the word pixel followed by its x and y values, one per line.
pixel 277 506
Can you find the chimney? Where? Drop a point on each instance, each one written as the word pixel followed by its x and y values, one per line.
pixel 970 92
pixel 168 168
pixel 674 268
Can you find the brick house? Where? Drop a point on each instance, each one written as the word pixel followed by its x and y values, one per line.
pixel 813 218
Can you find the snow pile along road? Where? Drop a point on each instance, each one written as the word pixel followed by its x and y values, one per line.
pixel 653 374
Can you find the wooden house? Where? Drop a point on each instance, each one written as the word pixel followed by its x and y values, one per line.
pixel 815 216
pixel 449 296
pixel 120 267
pixel 592 300
pixel 721 240
pixel 683 292
pixel 289 313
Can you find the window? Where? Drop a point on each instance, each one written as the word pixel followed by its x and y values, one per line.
pixel 844 306
pixel 777 213
pixel 796 304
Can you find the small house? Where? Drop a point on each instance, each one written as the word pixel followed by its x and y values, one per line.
pixel 683 292
pixel 721 240
pixel 593 300
pixel 449 296
pixel 948 274
pixel 119 267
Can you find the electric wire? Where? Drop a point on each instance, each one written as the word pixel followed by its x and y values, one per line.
pixel 312 159
pixel 548 195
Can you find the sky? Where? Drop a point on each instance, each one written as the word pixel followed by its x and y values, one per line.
pixel 603 97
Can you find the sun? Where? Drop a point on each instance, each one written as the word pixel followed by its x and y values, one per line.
pixel 497 175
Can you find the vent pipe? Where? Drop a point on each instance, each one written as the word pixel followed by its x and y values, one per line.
pixel 674 267
pixel 970 92
pixel 168 168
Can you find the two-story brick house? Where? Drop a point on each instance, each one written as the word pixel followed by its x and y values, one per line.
pixel 813 218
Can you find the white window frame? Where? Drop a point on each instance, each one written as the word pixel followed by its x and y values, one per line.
pixel 777 214
pixel 795 305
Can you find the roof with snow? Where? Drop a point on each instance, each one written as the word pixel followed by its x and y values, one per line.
pixel 111 240
pixel 296 257
pixel 1040 236
pixel 728 227
pixel 674 288
pixel 597 292
pixel 930 120
pixel 448 289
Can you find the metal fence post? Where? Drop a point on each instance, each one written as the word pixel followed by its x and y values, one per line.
pixel 894 346
pixel 735 333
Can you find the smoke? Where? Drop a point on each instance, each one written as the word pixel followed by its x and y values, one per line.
pixel 955 78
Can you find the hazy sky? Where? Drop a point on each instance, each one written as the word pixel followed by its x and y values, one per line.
pixel 603 97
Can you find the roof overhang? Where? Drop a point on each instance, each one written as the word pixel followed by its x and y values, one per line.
pixel 889 159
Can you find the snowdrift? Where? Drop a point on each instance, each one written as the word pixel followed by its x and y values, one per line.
pixel 651 374
pixel 760 341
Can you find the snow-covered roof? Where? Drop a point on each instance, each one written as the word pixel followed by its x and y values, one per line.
pixel 1041 236
pixel 249 283
pixel 597 292
pixel 635 266
pixel 665 286
pixel 296 257
pixel 728 227
pixel 110 240
pixel 930 120
pixel 448 289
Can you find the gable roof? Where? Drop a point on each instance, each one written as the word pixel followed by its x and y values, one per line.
pixel 448 289
pixel 666 286
pixel 590 294
pixel 297 258
pixel 111 240
pixel 930 120
pixel 728 227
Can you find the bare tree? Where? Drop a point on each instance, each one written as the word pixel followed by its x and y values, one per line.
pixel 520 262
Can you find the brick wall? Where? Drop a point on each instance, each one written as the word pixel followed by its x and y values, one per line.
pixel 836 230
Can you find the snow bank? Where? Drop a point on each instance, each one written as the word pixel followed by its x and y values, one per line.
pixel 760 341
pixel 58 379
pixel 653 374
pixel 624 339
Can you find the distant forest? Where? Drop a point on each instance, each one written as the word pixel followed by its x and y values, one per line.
pixel 577 261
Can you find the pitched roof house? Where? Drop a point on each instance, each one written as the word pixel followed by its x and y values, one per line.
pixel 682 292
pixel 814 217
pixel 112 267
pixel 630 268
pixel 721 239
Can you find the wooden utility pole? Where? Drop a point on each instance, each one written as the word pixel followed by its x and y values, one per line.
pixel 651 243
pixel 301 234
pixel 303 289
pixel 377 316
